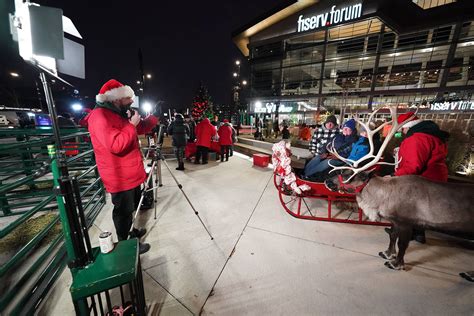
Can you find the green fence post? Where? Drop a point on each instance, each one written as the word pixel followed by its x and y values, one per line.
pixel 61 207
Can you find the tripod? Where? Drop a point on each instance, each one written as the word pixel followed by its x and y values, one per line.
pixel 157 158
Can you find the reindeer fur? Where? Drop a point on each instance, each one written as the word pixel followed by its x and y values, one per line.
pixel 413 201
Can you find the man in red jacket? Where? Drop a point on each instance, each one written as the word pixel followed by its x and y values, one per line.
pixel 225 139
pixel 204 133
pixel 119 160
pixel 423 152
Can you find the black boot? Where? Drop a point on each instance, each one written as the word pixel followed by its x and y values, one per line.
pixel 143 247
pixel 180 166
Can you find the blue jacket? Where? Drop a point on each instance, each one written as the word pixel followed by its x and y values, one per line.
pixel 359 149
pixel 343 144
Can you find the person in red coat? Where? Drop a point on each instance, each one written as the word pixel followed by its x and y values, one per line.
pixel 423 152
pixel 204 133
pixel 225 139
pixel 119 160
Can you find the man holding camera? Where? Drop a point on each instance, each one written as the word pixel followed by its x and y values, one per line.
pixel 114 127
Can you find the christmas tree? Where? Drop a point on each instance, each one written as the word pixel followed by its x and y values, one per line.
pixel 202 106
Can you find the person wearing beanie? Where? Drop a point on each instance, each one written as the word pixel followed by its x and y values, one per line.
pixel 114 134
pixel 225 139
pixel 342 144
pixel 423 152
pixel 179 132
pixel 323 135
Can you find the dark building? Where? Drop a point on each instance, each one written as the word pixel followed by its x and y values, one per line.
pixel 308 56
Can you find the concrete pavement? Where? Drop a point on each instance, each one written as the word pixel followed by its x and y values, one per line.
pixel 265 262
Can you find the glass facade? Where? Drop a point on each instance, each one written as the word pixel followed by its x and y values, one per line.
pixel 363 65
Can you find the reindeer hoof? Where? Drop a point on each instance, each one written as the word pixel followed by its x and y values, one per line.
pixel 386 255
pixel 394 266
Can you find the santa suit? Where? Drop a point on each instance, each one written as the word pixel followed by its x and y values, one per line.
pixel 424 152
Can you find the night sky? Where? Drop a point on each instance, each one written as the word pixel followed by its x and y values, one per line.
pixel 183 43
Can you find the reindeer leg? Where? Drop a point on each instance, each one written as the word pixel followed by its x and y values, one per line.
pixel 404 237
pixel 391 252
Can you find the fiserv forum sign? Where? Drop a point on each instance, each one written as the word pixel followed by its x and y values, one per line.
pixel 334 16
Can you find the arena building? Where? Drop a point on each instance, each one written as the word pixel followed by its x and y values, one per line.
pixel 309 56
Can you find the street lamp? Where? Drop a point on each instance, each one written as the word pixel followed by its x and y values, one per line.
pixel 76 107
pixel 138 81
pixel 235 74
pixel 237 62
pixel 14 74
pixel 148 76
pixel 244 82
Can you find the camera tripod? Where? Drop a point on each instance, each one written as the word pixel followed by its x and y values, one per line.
pixel 157 159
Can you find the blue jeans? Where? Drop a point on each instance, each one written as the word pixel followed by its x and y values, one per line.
pixel 319 165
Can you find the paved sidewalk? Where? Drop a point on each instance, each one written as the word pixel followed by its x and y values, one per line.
pixel 265 262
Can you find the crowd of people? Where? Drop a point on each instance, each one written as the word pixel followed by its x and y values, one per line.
pixel 204 136
pixel 114 128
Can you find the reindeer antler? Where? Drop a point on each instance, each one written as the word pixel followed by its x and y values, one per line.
pixel 354 165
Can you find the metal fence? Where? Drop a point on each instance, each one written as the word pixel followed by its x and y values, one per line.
pixel 32 250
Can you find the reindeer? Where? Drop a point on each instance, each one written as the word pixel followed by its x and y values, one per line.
pixel 406 201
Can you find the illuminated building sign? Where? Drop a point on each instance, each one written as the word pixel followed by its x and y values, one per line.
pixel 329 18
pixel 452 106
pixel 270 107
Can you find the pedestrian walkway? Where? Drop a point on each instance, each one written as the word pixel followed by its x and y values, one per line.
pixel 262 261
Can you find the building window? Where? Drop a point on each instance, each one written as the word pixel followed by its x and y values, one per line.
pixel 388 41
pixel 409 40
pixel 455 71
pixel 355 45
pixel 372 43
pixel 471 68
pixel 366 78
pixel 405 74
pixel 465 29
pixel 347 79
pixel 441 34
pixel 380 77
pixel 268 50
pixel 432 71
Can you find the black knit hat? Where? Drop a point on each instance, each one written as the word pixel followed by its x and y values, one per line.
pixel 332 119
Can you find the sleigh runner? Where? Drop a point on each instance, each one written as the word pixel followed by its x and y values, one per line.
pixel 321 204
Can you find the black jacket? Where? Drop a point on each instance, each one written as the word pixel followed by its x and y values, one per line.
pixel 285 133
pixel 179 132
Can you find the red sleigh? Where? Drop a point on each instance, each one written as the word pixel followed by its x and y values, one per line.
pixel 316 202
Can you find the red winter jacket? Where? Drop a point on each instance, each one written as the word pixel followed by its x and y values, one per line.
pixel 424 153
pixel 204 132
pixel 225 134
pixel 116 148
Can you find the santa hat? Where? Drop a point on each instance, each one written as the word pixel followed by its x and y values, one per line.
pixel 113 90
pixel 225 121
pixel 407 116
